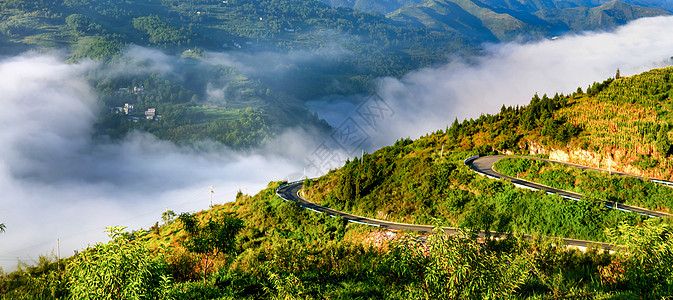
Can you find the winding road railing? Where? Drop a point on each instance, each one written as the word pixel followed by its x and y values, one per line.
pixel 483 165
pixel 291 192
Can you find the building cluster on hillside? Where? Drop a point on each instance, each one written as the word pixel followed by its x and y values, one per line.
pixel 130 109
pixel 127 109
pixel 151 114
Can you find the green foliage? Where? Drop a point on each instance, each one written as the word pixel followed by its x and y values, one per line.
pixel 630 115
pixel 600 185
pixel 289 252
pixel 77 22
pixel 646 263
pixel 410 182
pixel 214 237
pixel 663 143
pixel 210 241
pixel 168 216
pixel 453 268
pixel 44 280
pixel 120 269
pixel 160 32
pixel 102 48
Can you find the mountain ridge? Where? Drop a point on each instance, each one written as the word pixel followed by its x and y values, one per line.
pixel 469 18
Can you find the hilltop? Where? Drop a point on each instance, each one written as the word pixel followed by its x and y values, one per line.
pixel 623 123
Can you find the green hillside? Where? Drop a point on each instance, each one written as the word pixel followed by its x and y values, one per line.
pixel 298 51
pixel 608 15
pixel 626 122
pixel 238 26
pixel 496 22
pixel 622 122
pixel 243 114
pixel 261 247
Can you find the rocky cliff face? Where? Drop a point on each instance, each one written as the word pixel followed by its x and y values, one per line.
pixel 616 160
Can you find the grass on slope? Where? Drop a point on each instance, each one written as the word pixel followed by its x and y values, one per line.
pixel 628 120
pixel 410 182
pixel 285 252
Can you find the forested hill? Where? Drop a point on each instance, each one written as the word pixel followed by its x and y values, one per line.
pixel 623 122
pixel 391 45
pixel 292 50
pixel 321 50
pixel 262 247
pixel 494 22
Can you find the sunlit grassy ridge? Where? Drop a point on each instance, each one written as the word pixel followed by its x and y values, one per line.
pixel 417 181
pixel 630 118
pixel 410 182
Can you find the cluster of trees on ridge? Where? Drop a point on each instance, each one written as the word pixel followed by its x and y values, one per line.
pixel 628 118
pixel 415 181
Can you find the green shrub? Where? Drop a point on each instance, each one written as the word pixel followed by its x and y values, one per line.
pixel 120 269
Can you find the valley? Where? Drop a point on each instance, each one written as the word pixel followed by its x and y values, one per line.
pixel 305 149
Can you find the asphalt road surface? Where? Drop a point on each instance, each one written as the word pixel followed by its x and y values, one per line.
pixel 291 192
pixel 484 166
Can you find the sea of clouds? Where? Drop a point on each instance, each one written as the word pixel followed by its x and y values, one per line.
pixel 59 183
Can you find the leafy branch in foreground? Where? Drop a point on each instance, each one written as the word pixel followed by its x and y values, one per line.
pixel 647 262
pixel 120 269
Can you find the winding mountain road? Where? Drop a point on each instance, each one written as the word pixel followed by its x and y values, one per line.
pixel 291 192
pixel 484 166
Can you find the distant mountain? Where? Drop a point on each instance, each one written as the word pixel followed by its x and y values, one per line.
pixel 467 18
pixel 608 15
pixel 382 6
pixel 500 20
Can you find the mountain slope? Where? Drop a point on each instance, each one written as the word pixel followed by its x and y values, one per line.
pixel 463 17
pixel 262 247
pixel 622 122
pixel 608 15
pixel 508 21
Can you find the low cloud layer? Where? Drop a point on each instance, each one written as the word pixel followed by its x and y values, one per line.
pixel 429 99
pixel 59 184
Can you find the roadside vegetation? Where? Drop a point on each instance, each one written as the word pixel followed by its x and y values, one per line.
pixel 410 182
pixel 261 247
pixel 594 184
